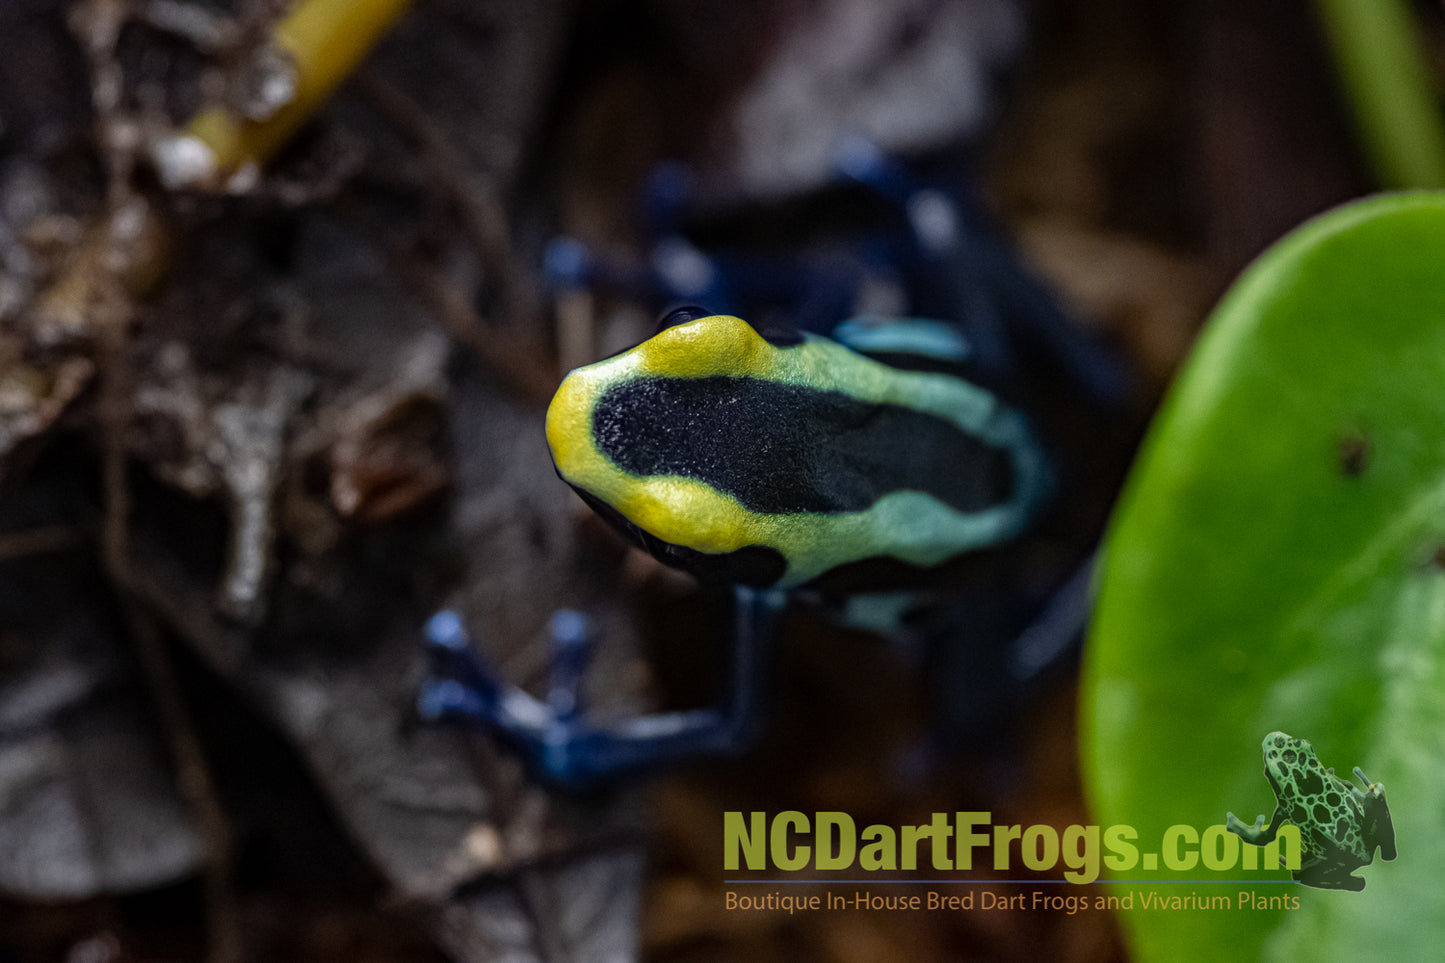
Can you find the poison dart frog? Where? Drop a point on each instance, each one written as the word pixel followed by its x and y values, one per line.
pixel 1340 825
pixel 773 463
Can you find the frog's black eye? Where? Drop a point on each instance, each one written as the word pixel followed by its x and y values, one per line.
pixel 682 315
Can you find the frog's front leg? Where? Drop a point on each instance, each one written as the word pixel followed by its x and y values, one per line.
pixel 554 736
pixel 1259 834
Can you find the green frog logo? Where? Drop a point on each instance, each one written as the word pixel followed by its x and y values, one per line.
pixel 1340 825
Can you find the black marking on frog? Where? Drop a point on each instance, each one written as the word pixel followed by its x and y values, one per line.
pixel 827 451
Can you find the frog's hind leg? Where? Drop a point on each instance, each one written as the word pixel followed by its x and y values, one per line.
pixel 964 269
pixel 555 738
pixel 1331 869
pixel 1338 878
pixel 1379 827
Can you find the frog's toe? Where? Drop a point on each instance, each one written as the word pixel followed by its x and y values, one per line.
pixel 1254 835
pixel 1234 824
pixel 446 698
pixel 445 631
pixel 459 683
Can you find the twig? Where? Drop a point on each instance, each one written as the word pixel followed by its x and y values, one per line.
pixel 316 46
pixel 38 541
pixel 482 215
pixel 504 354
pixel 193 777
pixel 576 329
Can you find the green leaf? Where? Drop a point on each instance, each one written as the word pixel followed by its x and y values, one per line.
pixel 1277 561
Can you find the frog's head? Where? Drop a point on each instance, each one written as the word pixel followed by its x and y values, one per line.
pixel 634 437
pixel 1286 758
pixel 1292 769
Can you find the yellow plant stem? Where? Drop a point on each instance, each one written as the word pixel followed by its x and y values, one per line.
pixel 325 40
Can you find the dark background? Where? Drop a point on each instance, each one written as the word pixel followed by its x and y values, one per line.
pixel 248 443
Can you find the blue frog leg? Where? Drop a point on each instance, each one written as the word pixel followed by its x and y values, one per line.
pixel 553 735
pixel 967 272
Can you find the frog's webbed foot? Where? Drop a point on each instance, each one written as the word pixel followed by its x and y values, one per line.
pixel 1256 835
pixel 554 737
